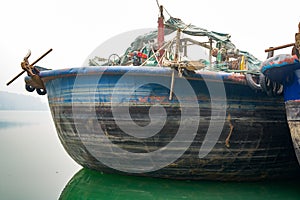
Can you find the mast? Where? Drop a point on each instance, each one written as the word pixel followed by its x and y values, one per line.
pixel 160 34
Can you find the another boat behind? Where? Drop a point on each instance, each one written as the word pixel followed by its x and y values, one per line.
pixel 284 71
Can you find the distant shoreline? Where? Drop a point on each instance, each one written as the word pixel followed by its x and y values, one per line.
pixel 46 110
pixel 14 101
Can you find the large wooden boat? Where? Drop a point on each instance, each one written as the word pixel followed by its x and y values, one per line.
pixel 205 119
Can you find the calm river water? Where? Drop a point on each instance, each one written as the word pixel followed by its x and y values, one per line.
pixel 35 166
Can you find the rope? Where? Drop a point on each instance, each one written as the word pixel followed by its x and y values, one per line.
pixel 157 50
pixel 158 5
pixel 155 56
pixel 167 12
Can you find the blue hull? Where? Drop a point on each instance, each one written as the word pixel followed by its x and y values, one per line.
pixel 228 131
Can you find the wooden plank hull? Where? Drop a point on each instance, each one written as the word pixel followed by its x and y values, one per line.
pixel 253 144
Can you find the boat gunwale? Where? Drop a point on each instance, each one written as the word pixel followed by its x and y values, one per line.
pixel 231 77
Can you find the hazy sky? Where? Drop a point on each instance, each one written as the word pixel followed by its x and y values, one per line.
pixel 75 28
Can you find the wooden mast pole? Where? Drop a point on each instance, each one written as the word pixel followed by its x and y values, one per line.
pixel 160 35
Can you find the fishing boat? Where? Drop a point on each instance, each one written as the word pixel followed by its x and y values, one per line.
pixel 155 112
pixel 284 70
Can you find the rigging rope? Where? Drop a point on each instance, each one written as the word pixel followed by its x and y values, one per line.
pixel 164 8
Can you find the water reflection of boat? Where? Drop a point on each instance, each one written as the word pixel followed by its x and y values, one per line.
pixel 89 184
pixel 183 119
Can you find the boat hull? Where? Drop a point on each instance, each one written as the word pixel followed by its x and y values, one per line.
pixel 250 142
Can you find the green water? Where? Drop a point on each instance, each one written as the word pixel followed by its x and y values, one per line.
pixel 35 166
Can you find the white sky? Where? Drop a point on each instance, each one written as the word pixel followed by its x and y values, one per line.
pixel 74 28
